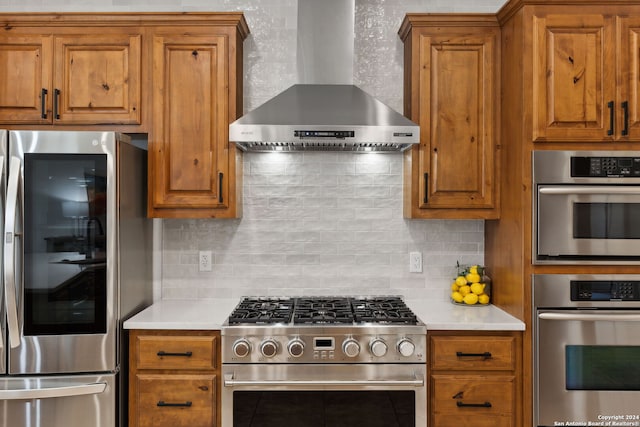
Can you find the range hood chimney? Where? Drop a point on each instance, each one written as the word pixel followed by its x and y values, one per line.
pixel 325 112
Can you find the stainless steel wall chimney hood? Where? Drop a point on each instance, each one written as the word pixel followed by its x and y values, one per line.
pixel 323 113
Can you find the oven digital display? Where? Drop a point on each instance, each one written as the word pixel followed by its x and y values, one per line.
pixel 323 343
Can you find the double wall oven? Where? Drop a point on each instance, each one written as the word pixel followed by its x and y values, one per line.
pixel 586 327
pixel 317 361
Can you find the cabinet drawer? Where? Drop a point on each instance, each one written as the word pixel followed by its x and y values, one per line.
pixel 473 395
pixel 473 353
pixel 175 400
pixel 176 352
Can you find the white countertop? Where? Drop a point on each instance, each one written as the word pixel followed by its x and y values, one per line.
pixel 209 314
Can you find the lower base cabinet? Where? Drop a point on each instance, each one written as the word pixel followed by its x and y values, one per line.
pixel 174 378
pixel 474 379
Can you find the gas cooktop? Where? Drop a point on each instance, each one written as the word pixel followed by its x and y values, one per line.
pixel 322 310
pixel 323 330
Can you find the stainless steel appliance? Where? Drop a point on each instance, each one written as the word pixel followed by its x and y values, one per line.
pixel 586 350
pixel 75 261
pixel 586 206
pixel 326 112
pixel 316 361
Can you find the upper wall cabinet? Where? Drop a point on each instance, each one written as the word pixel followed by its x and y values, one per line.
pixel 586 76
pixel 195 172
pixel 69 75
pixel 452 92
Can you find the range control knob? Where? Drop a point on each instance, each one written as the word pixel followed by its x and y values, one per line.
pixel 269 348
pixel 406 347
pixel 350 347
pixel 241 348
pixel 378 347
pixel 296 347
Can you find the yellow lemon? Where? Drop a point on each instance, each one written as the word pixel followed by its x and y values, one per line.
pixel 470 298
pixel 473 269
pixel 457 296
pixel 483 299
pixel 454 286
pixel 477 288
pixel 473 277
pixel 461 281
pixel 464 290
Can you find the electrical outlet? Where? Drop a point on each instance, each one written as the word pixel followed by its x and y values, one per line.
pixel 415 262
pixel 205 262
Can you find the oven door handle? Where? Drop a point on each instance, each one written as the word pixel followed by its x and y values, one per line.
pixel 607 190
pixel 590 317
pixel 416 381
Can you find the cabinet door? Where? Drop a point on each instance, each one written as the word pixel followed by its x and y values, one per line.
pixel 457 116
pixel 25 67
pixel 190 127
pixel 629 78
pixel 97 79
pixel 573 78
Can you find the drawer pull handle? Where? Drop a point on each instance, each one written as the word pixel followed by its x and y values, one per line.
pixel 162 353
pixel 473 405
pixel 486 355
pixel 162 403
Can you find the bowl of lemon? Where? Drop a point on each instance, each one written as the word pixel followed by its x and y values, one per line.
pixel 471 287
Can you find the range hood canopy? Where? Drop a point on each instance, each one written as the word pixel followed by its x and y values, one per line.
pixel 324 118
pixel 326 112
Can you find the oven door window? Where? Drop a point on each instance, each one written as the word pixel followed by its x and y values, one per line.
pixel 602 367
pixel 65 225
pixel 375 408
pixel 606 221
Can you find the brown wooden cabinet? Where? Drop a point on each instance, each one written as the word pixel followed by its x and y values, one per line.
pixel 70 75
pixel 474 378
pixel 197 91
pixel 174 378
pixel 452 91
pixel 586 75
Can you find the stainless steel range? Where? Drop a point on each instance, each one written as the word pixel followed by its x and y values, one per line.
pixel 343 361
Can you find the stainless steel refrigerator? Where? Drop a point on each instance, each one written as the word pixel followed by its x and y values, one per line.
pixel 76 254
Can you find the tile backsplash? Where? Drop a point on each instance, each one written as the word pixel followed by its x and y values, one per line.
pixel 318 224
pixel 314 223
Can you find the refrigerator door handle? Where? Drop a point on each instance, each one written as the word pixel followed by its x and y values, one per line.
pixel 11 302
pixel 53 392
pixel 3 211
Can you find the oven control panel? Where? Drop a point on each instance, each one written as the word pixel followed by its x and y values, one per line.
pixel 605 290
pixel 605 167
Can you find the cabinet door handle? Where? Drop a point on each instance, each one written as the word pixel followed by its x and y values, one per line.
pixel 625 112
pixel 43 103
pixel 220 176
pixel 174 405
pixel 485 355
pixel 56 103
pixel 163 353
pixel 426 188
pixel 610 105
pixel 473 405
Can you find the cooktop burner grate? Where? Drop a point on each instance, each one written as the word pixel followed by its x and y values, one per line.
pixel 323 310
pixel 262 311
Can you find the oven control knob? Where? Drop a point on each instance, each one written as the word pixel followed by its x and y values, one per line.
pixel 406 347
pixel 296 347
pixel 378 347
pixel 350 347
pixel 241 348
pixel 269 348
